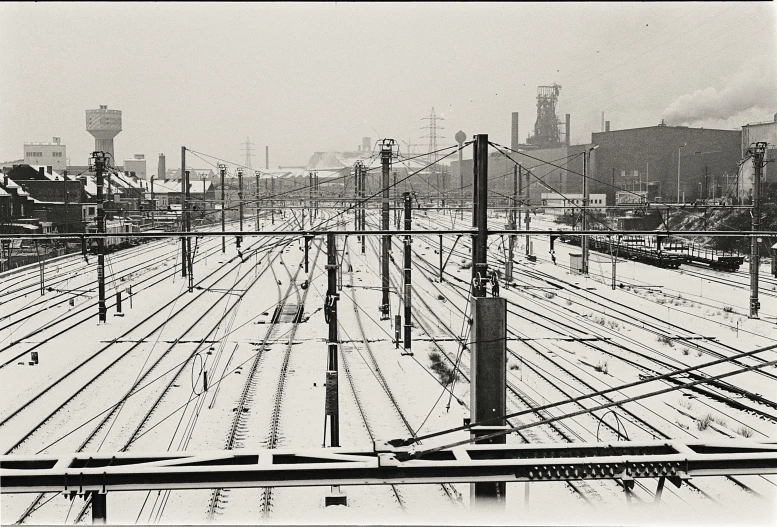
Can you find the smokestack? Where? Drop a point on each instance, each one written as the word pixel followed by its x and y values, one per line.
pixel 42 171
pixel 606 126
pixel 367 144
pixel 515 138
pixel 567 128
pixel 161 168
pixel 267 158
pixel 602 128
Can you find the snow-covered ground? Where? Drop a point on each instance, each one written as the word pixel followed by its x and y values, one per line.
pixel 568 335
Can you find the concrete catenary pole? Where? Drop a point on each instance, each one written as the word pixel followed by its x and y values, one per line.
pixel 520 197
pixel 385 157
pixel 363 206
pixel 584 214
pixel 153 204
pixel 526 218
pixel 99 167
pixel 331 315
pixel 460 138
pixel 489 329
pixel 475 181
pixel 334 497
pixel 222 174
pixel 64 180
pixel 511 241
pixel 256 199
pixel 479 265
pixel 679 157
pixel 183 207
pixel 240 195
pixel 586 204
pixel 188 212
pixel 408 275
pixel 758 156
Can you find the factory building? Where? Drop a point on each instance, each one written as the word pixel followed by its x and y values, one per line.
pixel 52 154
pixel 649 160
pixel 136 166
pixel 754 133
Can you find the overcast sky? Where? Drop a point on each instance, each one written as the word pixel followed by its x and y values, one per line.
pixel 317 77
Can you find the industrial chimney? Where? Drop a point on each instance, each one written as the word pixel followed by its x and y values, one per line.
pixel 606 126
pixel 515 139
pixel 567 128
pixel 366 144
pixel 161 171
pixel 104 125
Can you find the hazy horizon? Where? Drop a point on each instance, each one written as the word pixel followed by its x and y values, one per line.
pixel 302 78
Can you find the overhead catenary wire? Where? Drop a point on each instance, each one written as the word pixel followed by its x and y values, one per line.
pixel 601 392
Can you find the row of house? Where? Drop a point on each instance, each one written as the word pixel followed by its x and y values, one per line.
pixel 36 197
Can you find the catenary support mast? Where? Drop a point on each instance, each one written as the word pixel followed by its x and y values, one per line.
pixel 184 258
pixel 386 152
pixel 758 156
pixel 408 276
pixel 99 167
pixel 489 329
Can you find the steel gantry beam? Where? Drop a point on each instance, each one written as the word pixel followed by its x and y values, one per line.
pixel 389 232
pixel 624 461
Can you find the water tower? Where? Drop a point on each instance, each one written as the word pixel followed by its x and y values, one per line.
pixel 104 125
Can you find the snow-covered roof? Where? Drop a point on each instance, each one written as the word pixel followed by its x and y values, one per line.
pixel 54 176
pixel 126 181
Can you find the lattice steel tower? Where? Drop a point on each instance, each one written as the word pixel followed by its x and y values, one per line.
pixel 433 156
pixel 546 128
pixel 247 147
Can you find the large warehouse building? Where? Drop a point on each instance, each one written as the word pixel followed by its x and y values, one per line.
pixel 651 158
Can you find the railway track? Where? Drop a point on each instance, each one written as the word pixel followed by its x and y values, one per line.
pixel 86 309
pixel 516 397
pixel 537 299
pixel 626 315
pixel 122 442
pixel 240 428
pixel 60 272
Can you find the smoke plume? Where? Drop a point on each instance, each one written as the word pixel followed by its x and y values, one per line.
pixel 750 91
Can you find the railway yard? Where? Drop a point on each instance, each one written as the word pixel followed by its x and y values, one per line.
pixel 240 361
pixel 358 263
